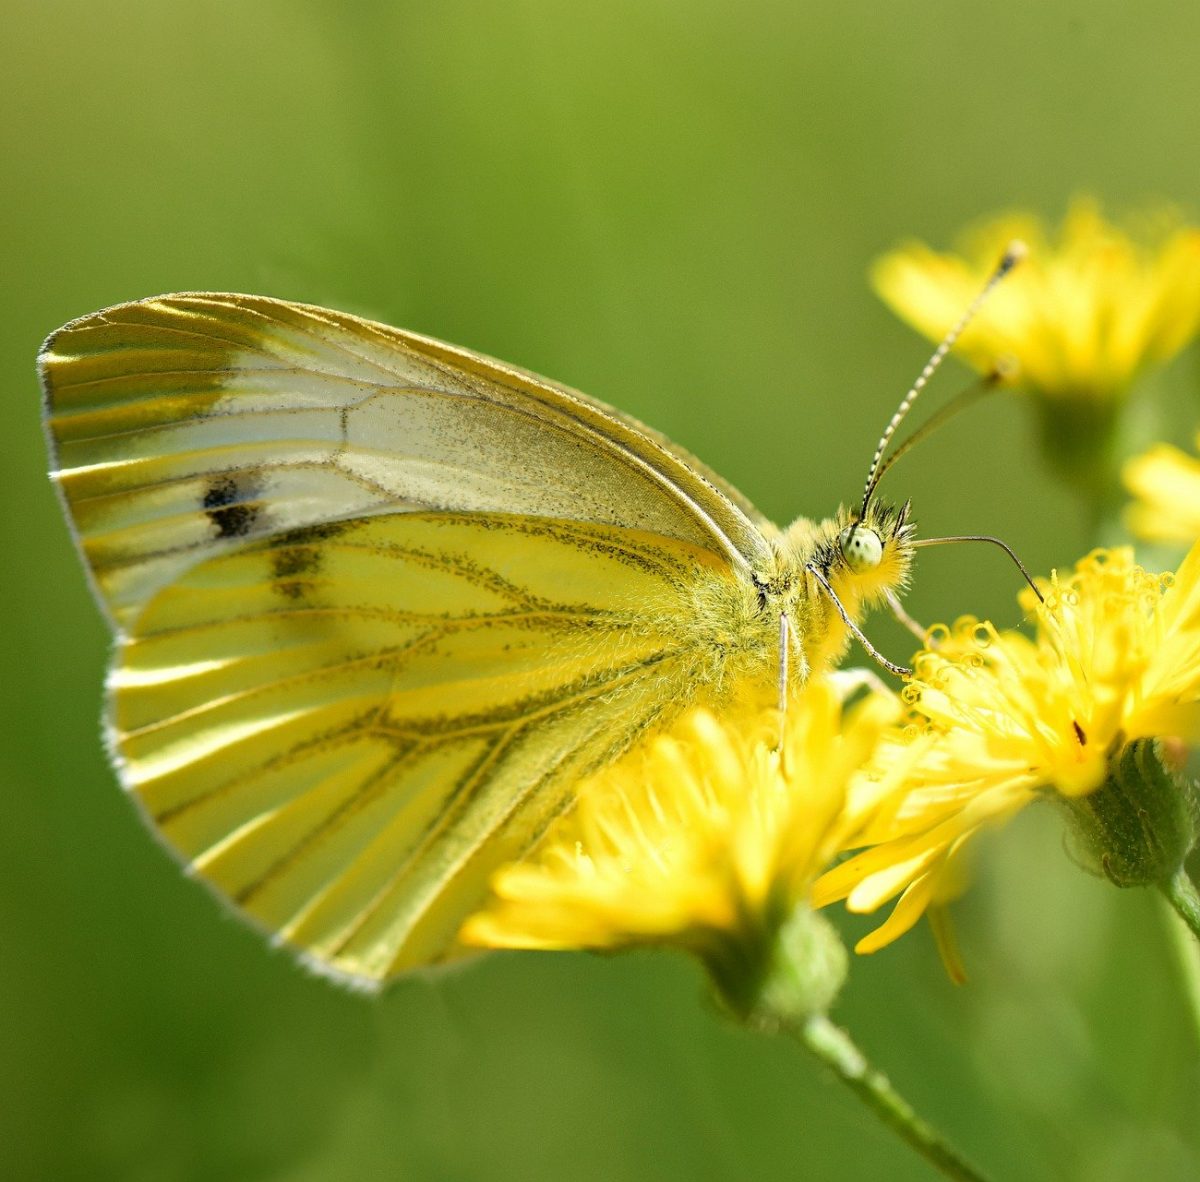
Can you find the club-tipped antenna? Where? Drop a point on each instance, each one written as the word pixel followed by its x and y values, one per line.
pixel 1013 254
pixel 966 397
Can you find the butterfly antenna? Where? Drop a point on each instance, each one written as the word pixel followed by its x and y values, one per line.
pixel 991 542
pixel 1012 255
pixel 963 399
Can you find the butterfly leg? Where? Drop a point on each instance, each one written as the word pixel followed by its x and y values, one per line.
pixel 856 631
pixel 897 610
pixel 784 639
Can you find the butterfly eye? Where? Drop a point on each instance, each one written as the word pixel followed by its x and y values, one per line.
pixel 861 547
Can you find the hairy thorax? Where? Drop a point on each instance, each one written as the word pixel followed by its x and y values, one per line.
pixel 741 622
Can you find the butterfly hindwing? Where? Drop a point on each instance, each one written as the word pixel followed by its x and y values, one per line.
pixel 345 728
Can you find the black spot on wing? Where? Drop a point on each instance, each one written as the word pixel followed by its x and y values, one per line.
pixel 295 557
pixel 225 502
pixel 290 565
pixel 295 560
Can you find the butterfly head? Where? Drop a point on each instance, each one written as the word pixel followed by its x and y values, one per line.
pixel 848 564
pixel 869 554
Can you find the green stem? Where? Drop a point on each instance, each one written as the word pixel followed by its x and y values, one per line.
pixel 1080 434
pixel 1186 951
pixel 1180 892
pixel 833 1046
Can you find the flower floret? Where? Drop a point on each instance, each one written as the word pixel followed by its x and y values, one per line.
pixel 1081 317
pixel 1000 719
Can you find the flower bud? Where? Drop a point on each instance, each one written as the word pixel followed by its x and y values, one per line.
pixel 1140 824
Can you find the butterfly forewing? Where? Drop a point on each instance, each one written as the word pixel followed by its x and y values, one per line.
pixel 344 729
pixel 188 424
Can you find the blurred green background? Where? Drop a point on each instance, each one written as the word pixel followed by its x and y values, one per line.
pixel 671 205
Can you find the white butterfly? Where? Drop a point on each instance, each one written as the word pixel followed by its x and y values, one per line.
pixel 381 602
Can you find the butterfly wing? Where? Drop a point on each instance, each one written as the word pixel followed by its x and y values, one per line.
pixel 346 728
pixel 190 423
pixel 380 603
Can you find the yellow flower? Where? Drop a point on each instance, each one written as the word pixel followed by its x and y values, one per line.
pixel 1001 719
pixel 1080 317
pixel 1166 482
pixel 707 838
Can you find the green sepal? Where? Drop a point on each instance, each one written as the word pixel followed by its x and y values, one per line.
pixel 1137 828
pixel 796 970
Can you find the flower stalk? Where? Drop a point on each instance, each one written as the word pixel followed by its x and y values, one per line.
pixel 1183 932
pixel 1181 893
pixel 1080 442
pixel 834 1047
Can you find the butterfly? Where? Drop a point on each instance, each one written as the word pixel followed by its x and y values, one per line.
pixel 381 603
